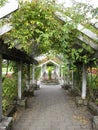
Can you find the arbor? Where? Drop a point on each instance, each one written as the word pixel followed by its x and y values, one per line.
pixel 37 29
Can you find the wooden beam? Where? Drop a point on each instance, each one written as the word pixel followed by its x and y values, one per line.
pixel 14 54
pixel 0 87
pixel 88 42
pixel 8 8
pixel 5 28
pixel 92 37
pixel 80 27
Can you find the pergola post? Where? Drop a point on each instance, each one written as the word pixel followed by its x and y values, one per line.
pixel 64 76
pixel 19 79
pixel 28 76
pixel 68 76
pixel 72 79
pixel 84 82
pixel 61 73
pixel 33 74
pixel 42 69
pixel 58 71
pixel 0 87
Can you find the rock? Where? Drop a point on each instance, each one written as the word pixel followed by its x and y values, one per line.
pixel 95 123
pixel 6 123
pixel 11 111
pixel 79 101
pixel 93 108
pixel 28 93
pixel 22 102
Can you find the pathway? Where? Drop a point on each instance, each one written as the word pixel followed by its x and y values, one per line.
pixel 52 109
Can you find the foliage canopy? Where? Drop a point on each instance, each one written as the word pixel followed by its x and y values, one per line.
pixel 2 2
pixel 37 29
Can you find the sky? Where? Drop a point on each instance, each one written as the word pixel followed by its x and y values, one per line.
pixel 94 3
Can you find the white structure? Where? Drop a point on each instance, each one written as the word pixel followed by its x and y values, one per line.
pixel 83 30
pixel 84 82
pixel 57 67
pixel 9 7
pixel 92 41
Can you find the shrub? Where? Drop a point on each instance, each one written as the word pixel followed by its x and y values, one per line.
pixel 9 91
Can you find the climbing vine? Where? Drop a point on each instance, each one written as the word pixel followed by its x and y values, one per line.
pixel 34 27
pixel 9 91
pixel 2 2
pixel 37 29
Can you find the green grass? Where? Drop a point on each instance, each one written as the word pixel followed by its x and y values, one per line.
pixel 4 70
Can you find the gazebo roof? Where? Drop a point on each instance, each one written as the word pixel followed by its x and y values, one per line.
pixel 50 61
pixel 45 60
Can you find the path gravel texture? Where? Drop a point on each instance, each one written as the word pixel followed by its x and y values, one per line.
pixel 52 109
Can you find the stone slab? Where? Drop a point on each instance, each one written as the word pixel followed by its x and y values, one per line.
pixel 6 123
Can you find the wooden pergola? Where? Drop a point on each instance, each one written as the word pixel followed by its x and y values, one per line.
pixel 88 38
pixel 20 57
pixel 55 63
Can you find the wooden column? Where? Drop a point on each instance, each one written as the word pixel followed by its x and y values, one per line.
pixel 28 75
pixel 0 87
pixel 72 79
pixel 61 73
pixel 33 74
pixel 84 82
pixel 19 79
pixel 68 75
pixel 57 71
pixel 42 70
